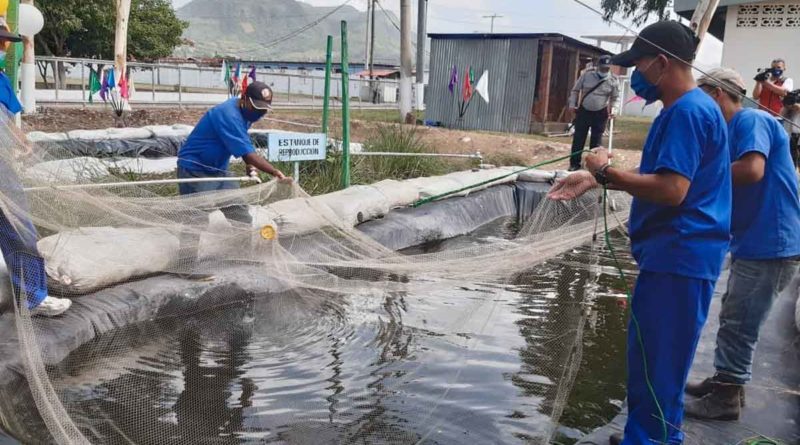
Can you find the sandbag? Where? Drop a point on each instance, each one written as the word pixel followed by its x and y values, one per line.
pixel 143 165
pixel 397 193
pixel 83 169
pixel 40 136
pixel 88 259
pixel 301 216
pixel 110 133
pixel 169 131
pixel 540 176
pixel 356 204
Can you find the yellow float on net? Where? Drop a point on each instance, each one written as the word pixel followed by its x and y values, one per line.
pixel 268 232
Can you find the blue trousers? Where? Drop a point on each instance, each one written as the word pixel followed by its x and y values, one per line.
pixel 753 287
pixel 671 311
pixel 18 241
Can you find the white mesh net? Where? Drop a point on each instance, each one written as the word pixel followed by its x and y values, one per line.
pixel 310 331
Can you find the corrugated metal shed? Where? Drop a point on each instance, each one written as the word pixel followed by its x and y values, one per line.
pixel 511 62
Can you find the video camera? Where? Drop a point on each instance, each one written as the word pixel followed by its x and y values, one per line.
pixel 791 99
pixel 763 74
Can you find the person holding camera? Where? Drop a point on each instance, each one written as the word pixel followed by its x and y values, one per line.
pixel 791 119
pixel 593 100
pixel 772 86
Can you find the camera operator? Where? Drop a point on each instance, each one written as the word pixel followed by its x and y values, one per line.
pixel 772 86
pixel 791 115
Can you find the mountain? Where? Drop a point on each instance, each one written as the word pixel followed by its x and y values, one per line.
pixel 282 30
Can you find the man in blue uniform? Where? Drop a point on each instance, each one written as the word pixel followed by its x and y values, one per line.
pixel 18 236
pixel 220 135
pixel 765 245
pixel 679 227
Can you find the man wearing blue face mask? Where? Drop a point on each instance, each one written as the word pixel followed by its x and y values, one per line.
pixel 772 87
pixel 594 98
pixel 220 135
pixel 679 226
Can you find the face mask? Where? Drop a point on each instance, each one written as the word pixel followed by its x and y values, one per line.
pixel 2 57
pixel 777 72
pixel 603 75
pixel 252 115
pixel 643 88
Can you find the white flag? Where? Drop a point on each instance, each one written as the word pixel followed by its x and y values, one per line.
pixel 223 78
pixel 482 86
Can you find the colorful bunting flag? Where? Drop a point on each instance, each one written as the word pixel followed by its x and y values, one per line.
pixel 225 74
pixel 467 92
pixel 244 84
pixel 482 88
pixel 253 74
pixel 94 85
pixel 104 86
pixel 453 80
pixel 112 81
pixel 123 88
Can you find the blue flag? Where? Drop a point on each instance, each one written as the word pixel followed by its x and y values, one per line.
pixel 112 82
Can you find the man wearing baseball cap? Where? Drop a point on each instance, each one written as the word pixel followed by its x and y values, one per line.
pixel 220 135
pixel 765 243
pixel 679 226
pixel 593 100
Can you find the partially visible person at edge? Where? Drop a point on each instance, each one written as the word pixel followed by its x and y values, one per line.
pixel 765 244
pixel 593 100
pixel 220 135
pixel 791 119
pixel 770 92
pixel 18 236
pixel 679 226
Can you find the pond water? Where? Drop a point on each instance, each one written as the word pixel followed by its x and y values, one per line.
pixel 476 363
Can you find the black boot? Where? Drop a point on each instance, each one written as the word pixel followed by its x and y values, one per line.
pixel 615 439
pixel 706 387
pixel 722 403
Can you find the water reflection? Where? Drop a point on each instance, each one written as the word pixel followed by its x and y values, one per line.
pixel 479 363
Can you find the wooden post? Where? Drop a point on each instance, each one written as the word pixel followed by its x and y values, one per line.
pixel 121 37
pixel 544 80
pixel 701 19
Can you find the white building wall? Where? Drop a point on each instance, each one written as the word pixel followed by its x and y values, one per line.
pixel 757 33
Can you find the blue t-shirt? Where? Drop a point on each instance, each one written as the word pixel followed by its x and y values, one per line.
pixel 220 134
pixel 8 98
pixel 766 215
pixel 689 138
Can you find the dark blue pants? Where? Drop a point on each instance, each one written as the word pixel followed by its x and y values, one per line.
pixel 671 311
pixel 18 241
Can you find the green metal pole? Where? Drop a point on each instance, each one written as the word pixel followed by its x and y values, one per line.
pixel 12 64
pixel 327 99
pixel 345 110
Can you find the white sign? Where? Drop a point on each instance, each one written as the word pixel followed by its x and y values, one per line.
pixel 293 147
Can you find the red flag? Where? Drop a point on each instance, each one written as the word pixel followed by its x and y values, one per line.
pixel 123 88
pixel 467 93
pixel 244 84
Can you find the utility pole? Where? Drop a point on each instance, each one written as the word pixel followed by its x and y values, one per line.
pixel 493 17
pixel 701 19
pixel 372 40
pixel 121 37
pixel 406 59
pixel 369 35
pixel 28 73
pixel 422 40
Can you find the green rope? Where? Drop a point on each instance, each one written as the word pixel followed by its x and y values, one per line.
pixel 629 295
pixel 499 178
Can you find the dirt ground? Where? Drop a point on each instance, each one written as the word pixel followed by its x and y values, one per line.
pixel 498 149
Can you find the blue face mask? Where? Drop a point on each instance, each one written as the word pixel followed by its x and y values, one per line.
pixel 252 115
pixel 603 75
pixel 777 72
pixel 643 88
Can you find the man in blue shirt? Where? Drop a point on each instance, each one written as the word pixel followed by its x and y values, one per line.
pixel 679 227
pixel 220 135
pixel 18 236
pixel 765 245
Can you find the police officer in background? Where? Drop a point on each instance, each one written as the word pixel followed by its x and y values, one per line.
pixel 593 100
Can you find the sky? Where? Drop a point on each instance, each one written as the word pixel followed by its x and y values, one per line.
pixel 518 16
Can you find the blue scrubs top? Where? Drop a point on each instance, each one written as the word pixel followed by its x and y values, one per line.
pixel 766 215
pixel 688 138
pixel 220 134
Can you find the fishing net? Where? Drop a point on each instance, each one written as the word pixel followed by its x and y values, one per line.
pixel 309 332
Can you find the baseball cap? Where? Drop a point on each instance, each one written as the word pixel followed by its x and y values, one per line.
pixel 260 95
pixel 724 78
pixel 604 61
pixel 667 37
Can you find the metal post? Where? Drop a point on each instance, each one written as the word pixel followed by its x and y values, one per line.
pixel 297 172
pixel 12 67
pixel 289 89
pixel 327 94
pixel 345 110
pixel 313 92
pixel 422 38
pixel 83 81
pixel 57 76
pixel 180 84
pixel 406 59
pixel 153 82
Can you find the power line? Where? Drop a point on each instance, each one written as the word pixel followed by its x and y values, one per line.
pixel 391 19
